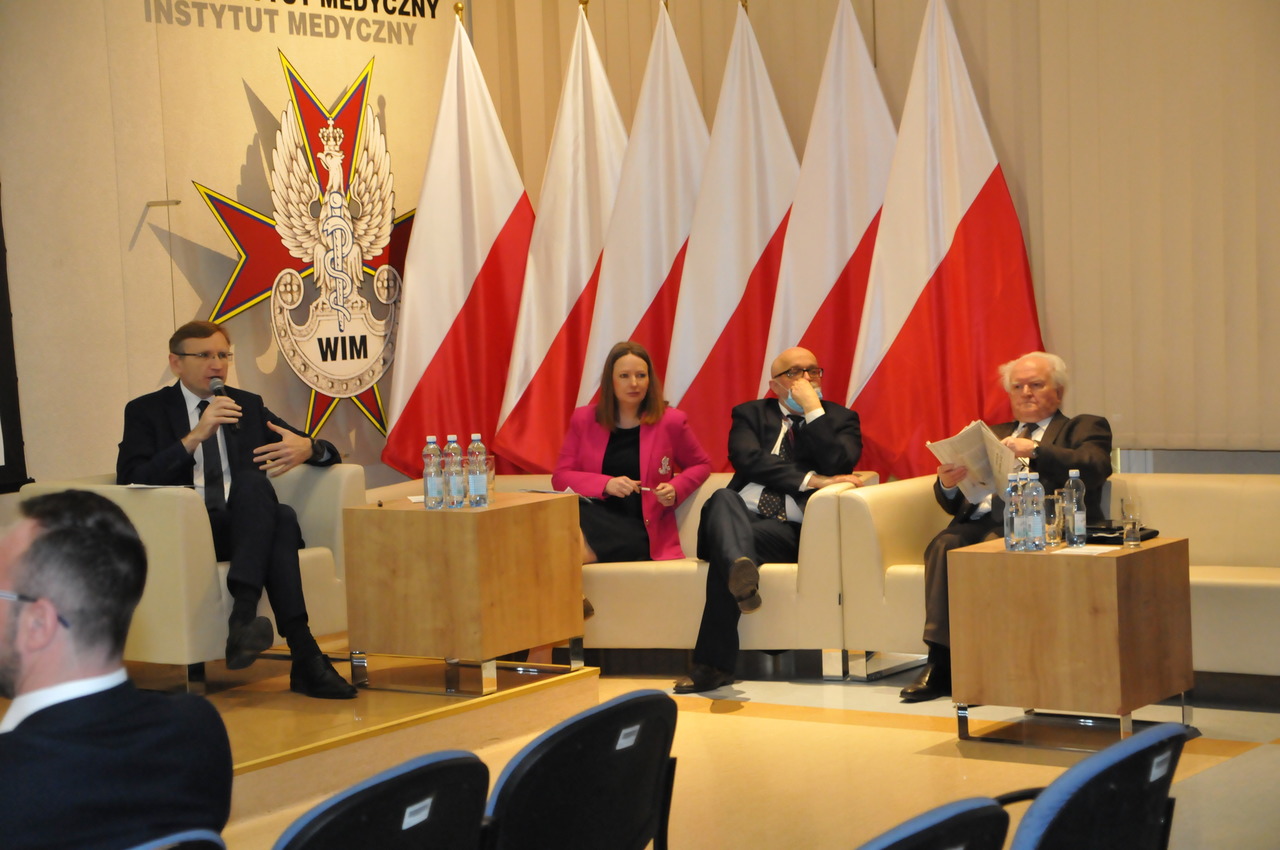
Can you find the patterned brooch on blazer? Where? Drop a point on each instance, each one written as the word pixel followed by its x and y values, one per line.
pixel 664 468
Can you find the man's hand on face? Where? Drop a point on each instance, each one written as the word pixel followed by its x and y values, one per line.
pixel 278 458
pixel 805 395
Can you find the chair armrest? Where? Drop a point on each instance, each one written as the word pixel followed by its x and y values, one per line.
pixel 889 524
pixel 319 494
pixel 181 584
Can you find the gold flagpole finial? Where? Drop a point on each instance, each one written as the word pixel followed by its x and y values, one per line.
pixel 457 10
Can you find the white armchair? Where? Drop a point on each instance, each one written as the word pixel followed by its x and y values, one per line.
pixel 182 618
pixel 885 530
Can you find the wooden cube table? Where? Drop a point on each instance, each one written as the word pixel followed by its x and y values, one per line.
pixel 463 583
pixel 1070 631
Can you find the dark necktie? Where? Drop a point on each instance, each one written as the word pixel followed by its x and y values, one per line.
pixel 1024 431
pixel 773 503
pixel 214 497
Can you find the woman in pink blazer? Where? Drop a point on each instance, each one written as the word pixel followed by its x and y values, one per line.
pixel 633 459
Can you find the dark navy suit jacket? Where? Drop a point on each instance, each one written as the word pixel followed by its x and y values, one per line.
pixel 112 770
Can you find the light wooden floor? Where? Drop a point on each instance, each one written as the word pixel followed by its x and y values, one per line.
pixel 760 764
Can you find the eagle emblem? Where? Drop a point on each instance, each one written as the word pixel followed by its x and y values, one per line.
pixel 342 348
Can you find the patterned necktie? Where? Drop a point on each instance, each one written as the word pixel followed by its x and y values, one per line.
pixel 1025 431
pixel 772 502
pixel 214 497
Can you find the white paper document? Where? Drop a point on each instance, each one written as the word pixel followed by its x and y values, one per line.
pixel 988 460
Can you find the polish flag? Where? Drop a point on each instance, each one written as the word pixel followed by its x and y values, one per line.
pixel 827 252
pixel 463 274
pixel 721 328
pixel 644 248
pixel 949 296
pixel 578 189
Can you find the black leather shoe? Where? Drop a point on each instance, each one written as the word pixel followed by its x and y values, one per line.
pixel 702 677
pixel 934 681
pixel 315 677
pixel 246 641
pixel 744 584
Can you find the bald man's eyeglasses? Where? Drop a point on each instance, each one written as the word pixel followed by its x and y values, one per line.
pixel 796 371
pixel 22 597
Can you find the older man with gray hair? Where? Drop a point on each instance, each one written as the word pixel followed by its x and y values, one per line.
pixel 1052 444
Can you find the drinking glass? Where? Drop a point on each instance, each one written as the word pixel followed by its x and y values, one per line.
pixel 1131 519
pixel 1052 520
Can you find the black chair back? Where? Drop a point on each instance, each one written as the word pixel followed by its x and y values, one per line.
pixel 978 823
pixel 601 779
pixel 434 801
pixel 1117 798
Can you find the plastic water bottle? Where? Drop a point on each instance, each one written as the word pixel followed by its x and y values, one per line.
pixel 1012 542
pixel 477 473
pixel 455 482
pixel 1033 503
pixel 1074 530
pixel 1021 519
pixel 432 476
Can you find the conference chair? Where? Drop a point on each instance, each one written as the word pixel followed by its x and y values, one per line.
pixel 1117 798
pixel 188 839
pixel 182 618
pixel 977 823
pixel 601 779
pixel 435 801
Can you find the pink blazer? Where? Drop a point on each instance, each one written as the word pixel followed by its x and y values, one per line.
pixel 668 452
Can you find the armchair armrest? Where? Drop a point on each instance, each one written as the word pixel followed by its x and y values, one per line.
pixel 174 526
pixel 319 494
pixel 884 532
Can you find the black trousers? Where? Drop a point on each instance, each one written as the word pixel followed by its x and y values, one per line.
pixel 261 539
pixel 728 530
pixel 937 598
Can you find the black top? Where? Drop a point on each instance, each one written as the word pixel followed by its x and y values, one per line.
pixel 622 457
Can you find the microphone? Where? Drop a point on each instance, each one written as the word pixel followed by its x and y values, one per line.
pixel 219 387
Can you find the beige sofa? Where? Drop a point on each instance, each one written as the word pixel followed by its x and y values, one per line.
pixel 1235 568
pixel 182 618
pixel 1235 565
pixel 658 604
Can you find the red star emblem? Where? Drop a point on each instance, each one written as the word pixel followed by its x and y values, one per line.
pixel 262 255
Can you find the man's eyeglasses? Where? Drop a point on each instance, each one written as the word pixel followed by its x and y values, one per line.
pixel 22 597
pixel 224 356
pixel 796 371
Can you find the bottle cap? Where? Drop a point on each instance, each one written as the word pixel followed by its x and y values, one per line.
pixel 453 438
pixel 431 438
pixel 1035 476
pixel 475 438
pixel 1075 473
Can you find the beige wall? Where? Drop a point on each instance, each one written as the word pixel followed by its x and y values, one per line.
pixel 1137 139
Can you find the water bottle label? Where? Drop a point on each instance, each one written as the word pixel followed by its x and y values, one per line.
pixel 435 488
pixel 456 488
pixel 1037 527
pixel 1020 528
pixel 1079 523
pixel 479 483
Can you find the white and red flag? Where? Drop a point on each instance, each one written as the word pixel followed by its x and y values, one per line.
pixel 826 256
pixel 949 296
pixel 644 249
pixel 578 188
pixel 463 274
pixel 721 328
